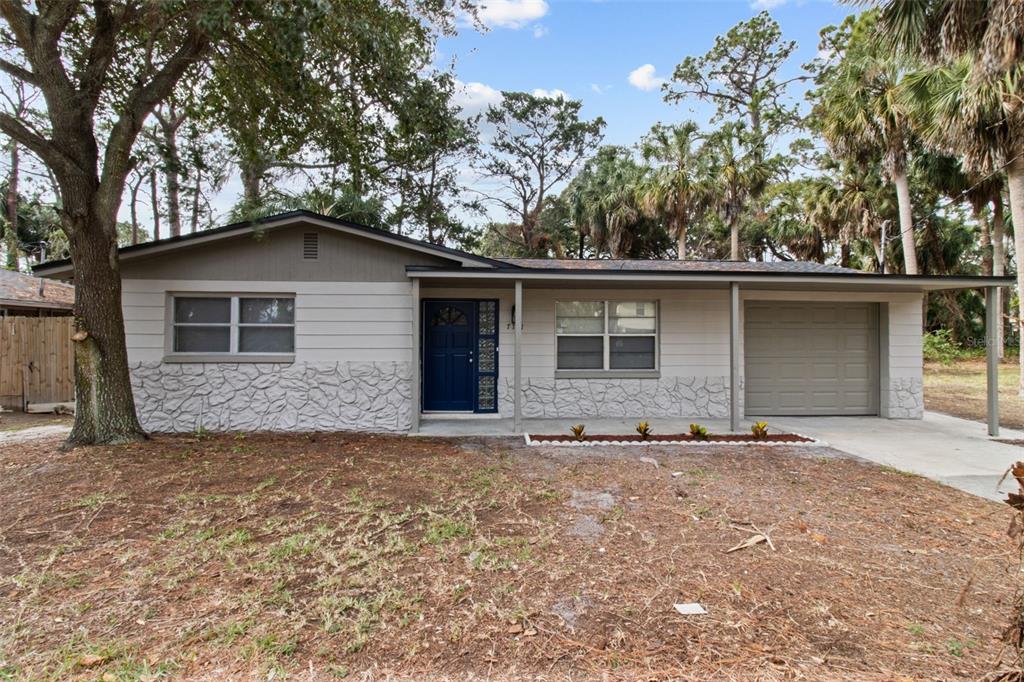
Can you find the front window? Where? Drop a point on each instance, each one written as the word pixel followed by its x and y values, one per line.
pixel 606 335
pixel 234 324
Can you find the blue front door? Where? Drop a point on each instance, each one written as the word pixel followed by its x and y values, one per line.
pixel 449 344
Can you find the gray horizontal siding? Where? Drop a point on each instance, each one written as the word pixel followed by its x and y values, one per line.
pixel 277 255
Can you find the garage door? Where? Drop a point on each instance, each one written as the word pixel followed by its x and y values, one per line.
pixel 811 358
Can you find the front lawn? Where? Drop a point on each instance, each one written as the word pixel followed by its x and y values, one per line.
pixel 960 389
pixel 230 557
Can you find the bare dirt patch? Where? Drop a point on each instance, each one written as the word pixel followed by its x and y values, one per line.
pixel 229 557
pixel 11 421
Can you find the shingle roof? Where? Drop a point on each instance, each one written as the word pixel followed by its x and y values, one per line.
pixel 638 265
pixel 23 290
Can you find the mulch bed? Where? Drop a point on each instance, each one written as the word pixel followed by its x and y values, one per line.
pixel 320 556
pixel 685 437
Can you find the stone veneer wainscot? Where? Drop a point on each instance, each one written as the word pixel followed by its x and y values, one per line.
pixel 310 396
pixel 594 397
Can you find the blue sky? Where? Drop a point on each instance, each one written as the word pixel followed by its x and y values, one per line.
pixel 588 49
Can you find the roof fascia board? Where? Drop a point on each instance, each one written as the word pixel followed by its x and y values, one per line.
pixel 900 281
pixel 20 303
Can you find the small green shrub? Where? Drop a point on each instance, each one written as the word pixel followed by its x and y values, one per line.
pixel 759 430
pixel 645 430
pixel 698 432
pixel 578 432
pixel 938 346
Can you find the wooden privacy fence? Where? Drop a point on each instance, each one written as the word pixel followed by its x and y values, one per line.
pixel 37 362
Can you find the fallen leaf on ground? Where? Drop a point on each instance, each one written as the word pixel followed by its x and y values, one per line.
pixel 90 660
pixel 749 542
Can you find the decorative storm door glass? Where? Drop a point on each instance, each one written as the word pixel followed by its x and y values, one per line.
pixel 487 357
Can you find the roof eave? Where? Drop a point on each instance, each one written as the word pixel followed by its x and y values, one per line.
pixel 900 282
pixel 49 305
pixel 58 268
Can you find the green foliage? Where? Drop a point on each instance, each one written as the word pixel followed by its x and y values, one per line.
pixel 578 432
pixel 443 529
pixel 538 142
pixel 759 430
pixel 645 430
pixel 607 207
pixel 698 432
pixel 938 346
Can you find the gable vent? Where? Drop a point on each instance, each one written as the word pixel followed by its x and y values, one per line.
pixel 310 246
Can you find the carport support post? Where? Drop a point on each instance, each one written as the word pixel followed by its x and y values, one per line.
pixel 992 357
pixel 517 371
pixel 734 357
pixel 414 426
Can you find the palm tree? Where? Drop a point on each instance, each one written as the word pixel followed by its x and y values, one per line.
pixel 990 31
pixel 859 113
pixel 731 177
pixel 605 204
pixel 975 89
pixel 962 113
pixel 673 191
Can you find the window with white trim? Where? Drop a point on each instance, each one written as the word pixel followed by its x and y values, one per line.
pixel 237 325
pixel 606 335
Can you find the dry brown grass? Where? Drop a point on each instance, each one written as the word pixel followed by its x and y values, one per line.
pixel 959 389
pixel 230 557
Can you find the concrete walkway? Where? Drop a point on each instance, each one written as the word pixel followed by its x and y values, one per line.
pixel 954 451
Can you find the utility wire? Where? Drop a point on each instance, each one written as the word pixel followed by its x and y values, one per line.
pixel 957 198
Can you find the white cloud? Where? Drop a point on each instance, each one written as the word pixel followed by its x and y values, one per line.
pixel 645 78
pixel 473 98
pixel 540 30
pixel 551 94
pixel 597 88
pixel 511 13
pixel 766 4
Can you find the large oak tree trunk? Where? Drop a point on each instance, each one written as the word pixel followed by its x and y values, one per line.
pixel 1015 184
pixel 104 405
pixel 906 222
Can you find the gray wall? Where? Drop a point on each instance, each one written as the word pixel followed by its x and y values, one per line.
pixel 276 255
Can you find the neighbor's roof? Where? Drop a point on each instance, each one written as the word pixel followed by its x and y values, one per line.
pixel 639 265
pixel 21 290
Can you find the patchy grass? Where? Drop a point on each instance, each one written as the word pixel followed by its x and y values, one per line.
pixel 269 556
pixel 959 389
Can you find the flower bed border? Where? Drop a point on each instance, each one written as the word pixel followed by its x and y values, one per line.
pixel 540 440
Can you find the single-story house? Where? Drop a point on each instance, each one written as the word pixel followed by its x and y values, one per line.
pixel 22 294
pixel 305 322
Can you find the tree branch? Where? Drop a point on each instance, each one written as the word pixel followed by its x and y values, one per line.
pixel 45 149
pixel 101 51
pixel 19 72
pixel 140 104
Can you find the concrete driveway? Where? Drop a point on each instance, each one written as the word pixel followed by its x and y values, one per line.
pixel 954 451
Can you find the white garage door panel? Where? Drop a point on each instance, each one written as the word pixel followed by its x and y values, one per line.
pixel 811 358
